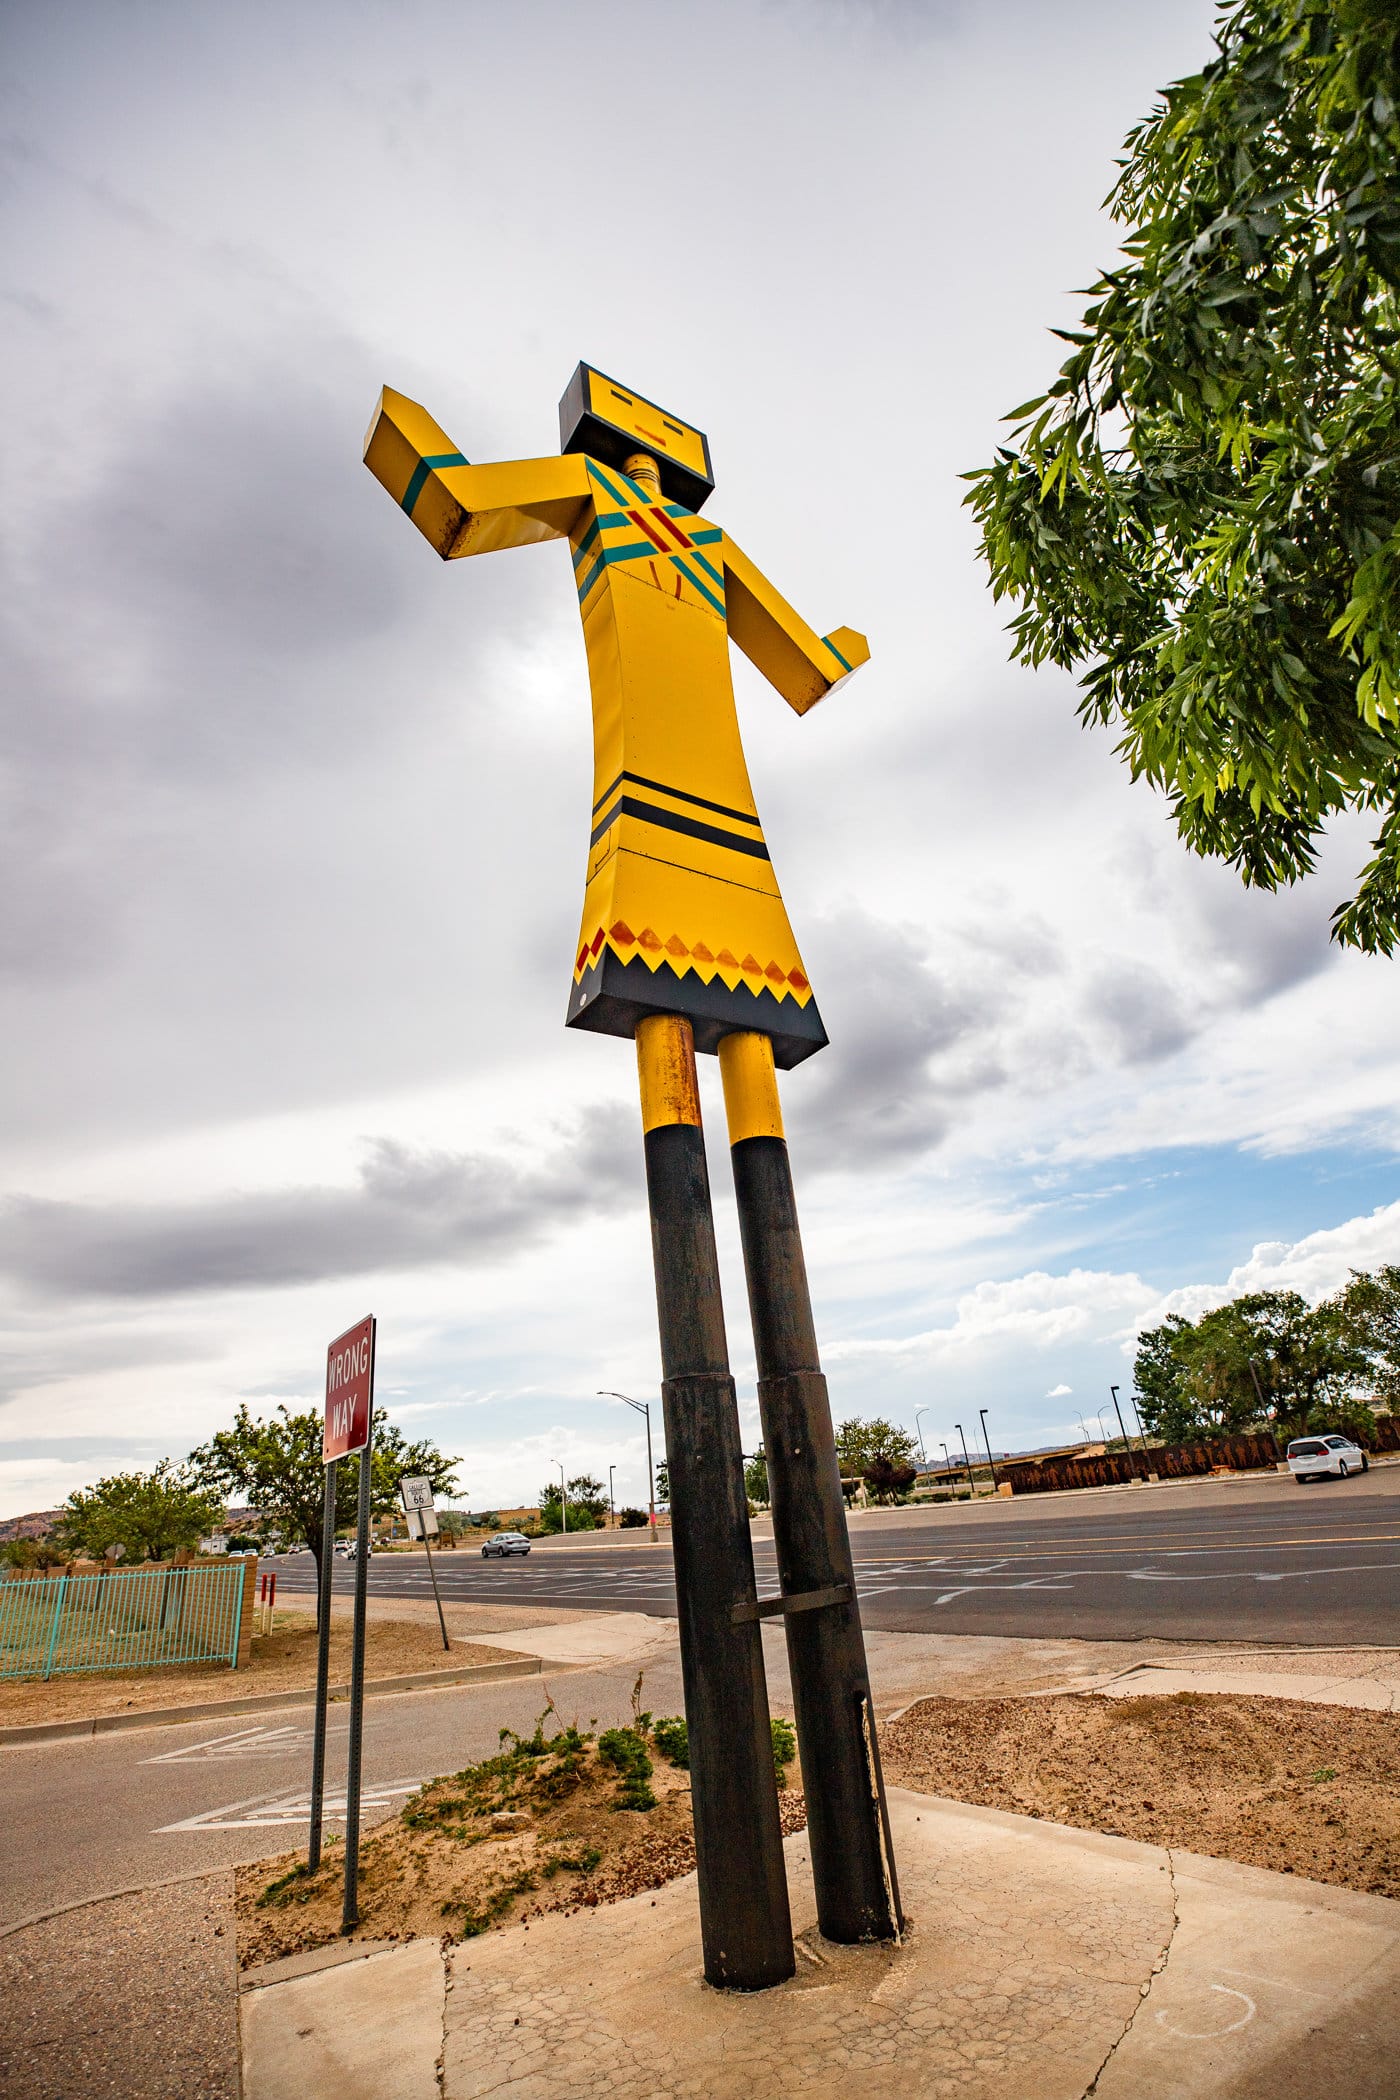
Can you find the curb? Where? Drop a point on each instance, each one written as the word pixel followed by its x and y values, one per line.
pixel 265 1702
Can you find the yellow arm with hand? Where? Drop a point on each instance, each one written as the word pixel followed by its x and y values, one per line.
pixel 461 509
pixel 803 666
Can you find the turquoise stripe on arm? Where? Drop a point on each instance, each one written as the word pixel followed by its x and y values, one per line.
pixel 828 644
pixel 420 474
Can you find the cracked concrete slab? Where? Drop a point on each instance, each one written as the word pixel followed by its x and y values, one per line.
pixel 1272 1989
pixel 1040 1960
pixel 1024 1962
pixel 363 2030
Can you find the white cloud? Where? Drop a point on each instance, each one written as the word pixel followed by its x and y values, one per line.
pixel 1315 1266
pixel 1059 1392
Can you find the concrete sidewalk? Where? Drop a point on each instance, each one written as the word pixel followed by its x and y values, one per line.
pixel 1040 1961
pixel 1361 1677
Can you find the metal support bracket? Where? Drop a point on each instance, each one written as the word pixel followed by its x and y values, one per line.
pixel 808 1600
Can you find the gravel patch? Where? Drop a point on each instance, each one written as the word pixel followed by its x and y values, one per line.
pixel 130 1998
pixel 1276 1783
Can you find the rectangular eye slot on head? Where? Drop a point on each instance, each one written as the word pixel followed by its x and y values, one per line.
pixel 626 399
pixel 674 427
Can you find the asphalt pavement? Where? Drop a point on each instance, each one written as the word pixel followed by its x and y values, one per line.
pixel 1251 1558
pixel 1234 1562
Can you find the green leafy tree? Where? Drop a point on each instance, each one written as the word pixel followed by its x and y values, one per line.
pixel 1202 515
pixel 587 1503
pixel 149 1515
pixel 29 1553
pixel 756 1479
pixel 1370 1308
pixel 1159 1387
pixel 859 1444
pixel 275 1466
pixel 663 1486
pixel 1264 1359
pixel 888 1480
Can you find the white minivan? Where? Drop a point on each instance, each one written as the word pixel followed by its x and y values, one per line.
pixel 1324 1457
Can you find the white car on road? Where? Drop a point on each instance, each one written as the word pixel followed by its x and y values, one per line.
pixel 1325 1457
pixel 506 1542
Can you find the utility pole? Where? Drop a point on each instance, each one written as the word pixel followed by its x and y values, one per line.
pixel 987 1441
pixel 642 1407
pixel 1121 1430
pixel 919 1433
pixel 612 1507
pixel 971 1483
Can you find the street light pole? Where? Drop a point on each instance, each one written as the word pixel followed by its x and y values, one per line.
pixel 947 1462
pixel 612 1508
pixel 971 1483
pixel 563 1495
pixel 919 1433
pixel 987 1441
pixel 1127 1447
pixel 641 1408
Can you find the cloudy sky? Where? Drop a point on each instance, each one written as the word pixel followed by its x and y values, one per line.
pixel 295 816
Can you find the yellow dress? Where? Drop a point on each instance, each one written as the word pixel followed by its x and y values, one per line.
pixel 682 912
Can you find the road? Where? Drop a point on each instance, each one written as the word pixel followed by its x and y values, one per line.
pixel 1238 1562
pixel 1246 1559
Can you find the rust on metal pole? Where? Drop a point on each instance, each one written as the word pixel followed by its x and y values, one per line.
pixel 745 1925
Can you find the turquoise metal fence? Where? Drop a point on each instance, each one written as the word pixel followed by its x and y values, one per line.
pixel 135 1618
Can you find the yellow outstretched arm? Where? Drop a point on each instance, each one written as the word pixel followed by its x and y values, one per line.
pixel 461 509
pixel 804 666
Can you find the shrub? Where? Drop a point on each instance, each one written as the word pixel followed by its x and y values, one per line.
pixel 626 1752
pixel 672 1739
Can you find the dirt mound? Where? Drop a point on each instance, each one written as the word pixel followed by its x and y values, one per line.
pixel 1276 1783
pixel 558 1820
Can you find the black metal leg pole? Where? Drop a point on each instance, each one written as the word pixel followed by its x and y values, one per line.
pixel 428 1549
pixel 826 1648
pixel 323 1668
pixel 745 1925
pixel 350 1914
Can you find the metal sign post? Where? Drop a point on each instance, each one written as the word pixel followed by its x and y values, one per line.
pixel 350 1912
pixel 417 1493
pixel 346 1430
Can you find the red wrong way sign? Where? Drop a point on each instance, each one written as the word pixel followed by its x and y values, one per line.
pixel 349 1392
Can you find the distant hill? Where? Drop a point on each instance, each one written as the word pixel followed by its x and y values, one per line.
pixel 37 1525
pixel 40 1522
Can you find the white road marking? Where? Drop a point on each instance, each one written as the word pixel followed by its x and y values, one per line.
pixel 264 1811
pixel 245 1742
pixel 1250 1575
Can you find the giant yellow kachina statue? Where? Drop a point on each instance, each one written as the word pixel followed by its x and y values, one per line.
pixel 682 912
pixel 685 945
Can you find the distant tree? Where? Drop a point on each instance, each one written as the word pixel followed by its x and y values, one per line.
pixel 632 1520
pixel 1264 1358
pixel 1159 1375
pixel 32 1553
pixel 756 1479
pixel 275 1466
pixel 242 1542
pixel 1202 514
pixel 587 1504
pixel 663 1486
pixel 149 1515
pixel 859 1443
pixel 1369 1306
pixel 887 1480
